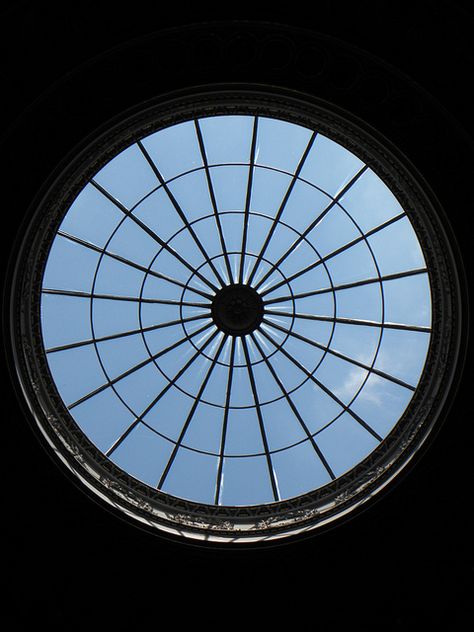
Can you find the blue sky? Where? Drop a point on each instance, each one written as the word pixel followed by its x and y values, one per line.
pixel 111 285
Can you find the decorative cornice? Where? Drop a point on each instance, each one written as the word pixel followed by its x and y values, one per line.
pixel 309 510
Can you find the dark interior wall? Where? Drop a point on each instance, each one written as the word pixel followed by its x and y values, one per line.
pixel 403 67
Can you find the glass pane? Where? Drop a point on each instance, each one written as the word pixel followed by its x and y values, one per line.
pixel 280 144
pixel 193 476
pixel 144 455
pixel 246 481
pixel 128 177
pixel 174 150
pixel 299 470
pixel 345 443
pixel 330 166
pixel 92 217
pixel 70 266
pixel 227 138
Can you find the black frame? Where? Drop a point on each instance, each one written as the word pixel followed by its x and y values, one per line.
pixel 306 512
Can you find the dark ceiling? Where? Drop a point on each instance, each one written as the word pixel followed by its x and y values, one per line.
pixel 406 69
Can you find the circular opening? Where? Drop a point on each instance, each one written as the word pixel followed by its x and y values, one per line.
pixel 232 306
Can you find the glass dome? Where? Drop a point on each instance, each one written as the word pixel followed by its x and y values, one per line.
pixel 235 313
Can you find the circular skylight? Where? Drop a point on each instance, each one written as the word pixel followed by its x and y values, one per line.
pixel 235 309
